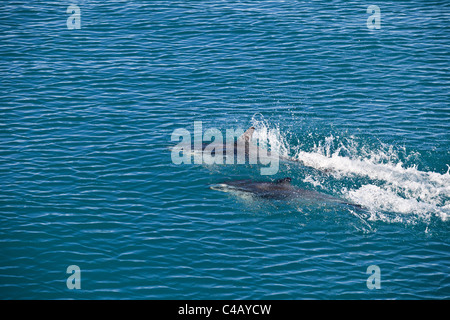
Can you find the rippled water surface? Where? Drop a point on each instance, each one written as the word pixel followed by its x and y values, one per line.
pixel 87 177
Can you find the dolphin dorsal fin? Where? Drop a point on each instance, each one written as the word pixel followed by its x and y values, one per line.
pixel 284 180
pixel 247 136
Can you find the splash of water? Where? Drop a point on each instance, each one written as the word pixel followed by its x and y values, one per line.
pixel 381 182
pixel 273 136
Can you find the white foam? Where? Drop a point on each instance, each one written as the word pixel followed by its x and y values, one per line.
pixel 312 180
pixel 395 188
pixel 387 184
pixel 381 199
pixel 275 141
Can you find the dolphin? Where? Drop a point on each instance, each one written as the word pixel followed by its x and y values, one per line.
pixel 281 189
pixel 215 147
pixel 243 140
pixel 243 149
pixel 250 149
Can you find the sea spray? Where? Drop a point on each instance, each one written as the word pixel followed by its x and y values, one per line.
pixel 380 179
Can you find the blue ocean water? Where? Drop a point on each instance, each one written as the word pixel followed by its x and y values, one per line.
pixel 87 176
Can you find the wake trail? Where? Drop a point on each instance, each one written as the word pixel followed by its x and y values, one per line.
pixel 380 181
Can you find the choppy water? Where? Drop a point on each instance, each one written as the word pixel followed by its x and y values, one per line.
pixel 87 178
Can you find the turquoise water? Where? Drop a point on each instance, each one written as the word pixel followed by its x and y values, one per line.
pixel 87 177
